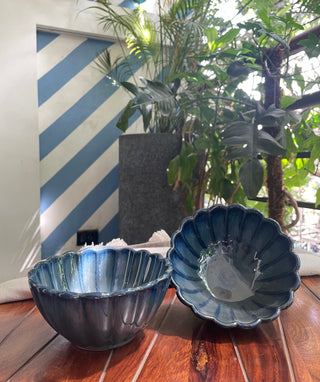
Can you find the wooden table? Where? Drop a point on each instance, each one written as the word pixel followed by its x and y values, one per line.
pixel 176 346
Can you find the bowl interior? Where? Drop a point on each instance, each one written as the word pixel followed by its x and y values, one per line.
pixel 223 275
pixel 104 271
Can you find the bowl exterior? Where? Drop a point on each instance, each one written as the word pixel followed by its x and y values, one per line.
pixel 99 321
pixel 258 252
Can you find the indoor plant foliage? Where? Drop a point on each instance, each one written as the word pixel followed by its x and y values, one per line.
pixel 195 63
pixel 186 52
pixel 275 42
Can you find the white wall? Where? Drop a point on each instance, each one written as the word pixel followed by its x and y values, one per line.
pixel 19 149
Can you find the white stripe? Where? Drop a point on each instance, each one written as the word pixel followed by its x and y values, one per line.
pixel 104 371
pixel 98 220
pixel 71 92
pixel 117 2
pixel 56 51
pixel 145 357
pixel 69 200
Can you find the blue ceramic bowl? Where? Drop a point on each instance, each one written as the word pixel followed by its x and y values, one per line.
pixel 100 299
pixel 233 266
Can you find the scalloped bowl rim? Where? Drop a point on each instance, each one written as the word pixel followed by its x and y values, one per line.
pixel 98 295
pixel 236 323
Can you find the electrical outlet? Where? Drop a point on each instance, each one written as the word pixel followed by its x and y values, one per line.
pixel 87 237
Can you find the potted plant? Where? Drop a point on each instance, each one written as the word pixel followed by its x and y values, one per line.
pixel 194 63
pixel 176 97
pixel 182 91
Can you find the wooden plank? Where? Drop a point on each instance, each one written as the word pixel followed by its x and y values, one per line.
pixel 313 283
pixel 62 361
pixel 126 360
pixel 22 343
pixel 11 315
pixel 190 349
pixel 301 325
pixel 262 351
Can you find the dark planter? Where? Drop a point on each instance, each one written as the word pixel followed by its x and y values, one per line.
pixel 146 202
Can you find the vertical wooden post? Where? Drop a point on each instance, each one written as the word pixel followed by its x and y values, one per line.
pixel 276 197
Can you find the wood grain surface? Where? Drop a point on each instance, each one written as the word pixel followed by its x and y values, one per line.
pixel 263 353
pixel 301 325
pixel 177 346
pixel 29 337
pixel 12 314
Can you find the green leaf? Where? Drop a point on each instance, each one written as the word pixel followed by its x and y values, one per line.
pixel 227 189
pixel 212 35
pixel 227 37
pixel 123 121
pixel 287 101
pixel 251 177
pixel 274 112
pixel 315 151
pixel 310 42
pixel 219 72
pixel 238 153
pixel 189 203
pixel 299 180
pixel 131 87
pixel 173 170
pixel 299 163
pixel 284 10
pixel 202 143
pixel 228 115
pixel 267 144
pixel 249 140
pixel 299 78
pixel 290 145
pixel 161 95
pixel 317 198
pixel 263 14
pixel 237 129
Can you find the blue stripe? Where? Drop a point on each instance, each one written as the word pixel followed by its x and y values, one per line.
pixel 78 59
pixel 80 163
pixel 66 229
pixel 79 112
pixel 110 231
pixel 44 38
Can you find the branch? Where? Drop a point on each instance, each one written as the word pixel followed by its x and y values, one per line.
pixel 293 44
pixel 306 101
pixel 230 201
pixel 294 204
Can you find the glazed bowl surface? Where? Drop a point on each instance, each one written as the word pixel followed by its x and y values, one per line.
pixel 100 298
pixel 234 266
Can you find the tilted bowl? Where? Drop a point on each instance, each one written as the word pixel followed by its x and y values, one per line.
pixel 99 299
pixel 233 266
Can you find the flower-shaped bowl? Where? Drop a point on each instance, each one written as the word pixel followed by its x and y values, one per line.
pixel 233 266
pixel 99 299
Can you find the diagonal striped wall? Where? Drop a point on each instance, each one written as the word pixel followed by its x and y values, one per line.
pixel 78 110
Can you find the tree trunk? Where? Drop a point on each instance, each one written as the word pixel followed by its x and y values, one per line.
pixel 276 197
